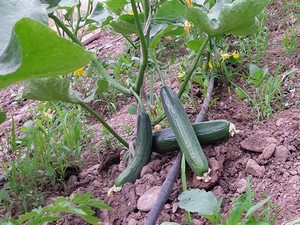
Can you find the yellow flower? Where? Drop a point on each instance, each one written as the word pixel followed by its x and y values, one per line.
pixel 130 12
pixel 224 56
pixel 187 27
pixel 181 74
pixel 188 3
pixel 236 55
pixel 168 38
pixel 157 127
pixel 80 72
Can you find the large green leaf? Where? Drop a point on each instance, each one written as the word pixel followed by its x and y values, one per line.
pixel 51 89
pixel 197 200
pixel 225 17
pixel 43 53
pixel 116 6
pixel 124 25
pixel 100 15
pixel 11 12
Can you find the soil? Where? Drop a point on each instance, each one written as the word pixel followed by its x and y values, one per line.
pixel 268 150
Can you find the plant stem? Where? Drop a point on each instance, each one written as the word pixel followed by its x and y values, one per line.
pixel 78 18
pixel 130 41
pixel 102 121
pixel 190 72
pixel 95 62
pixel 140 102
pixel 184 186
pixel 140 76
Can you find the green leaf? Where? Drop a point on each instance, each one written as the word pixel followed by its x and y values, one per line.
pixel 102 86
pixel 257 206
pixel 225 17
pixel 116 6
pixel 100 15
pixel 43 54
pixel 10 13
pixel 257 223
pixel 196 200
pixel 2 116
pixel 124 25
pixel 51 89
pixel 194 44
pixel 132 109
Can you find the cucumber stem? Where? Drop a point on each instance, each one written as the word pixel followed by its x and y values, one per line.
pixel 106 125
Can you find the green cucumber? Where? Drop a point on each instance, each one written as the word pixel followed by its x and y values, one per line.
pixel 207 132
pixel 142 152
pixel 184 132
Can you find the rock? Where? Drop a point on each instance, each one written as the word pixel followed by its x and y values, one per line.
pixel 268 151
pixel 174 207
pixel 96 184
pixel 241 186
pixel 133 222
pixel 257 142
pixel 281 153
pixel 254 169
pixel 147 200
pixel 71 181
pixel 146 169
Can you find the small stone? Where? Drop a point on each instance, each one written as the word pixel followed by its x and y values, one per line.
pixel 174 207
pixel 268 151
pixel 197 222
pixel 291 148
pixel 146 169
pixel 96 184
pixel 241 186
pixel 257 142
pixel 254 169
pixel 281 153
pixel 72 180
pixel 167 206
pixel 133 221
pixel 148 199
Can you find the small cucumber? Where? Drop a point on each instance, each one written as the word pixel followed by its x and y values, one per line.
pixel 184 132
pixel 207 132
pixel 142 153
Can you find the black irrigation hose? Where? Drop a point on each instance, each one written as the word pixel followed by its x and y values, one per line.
pixel 164 192
pixel 169 182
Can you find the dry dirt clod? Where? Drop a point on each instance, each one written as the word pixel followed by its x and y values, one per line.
pixel 254 169
pixel 133 222
pixel 71 181
pixel 147 200
pixel 241 186
pixel 268 151
pixel 257 142
pixel 281 153
pixel 146 169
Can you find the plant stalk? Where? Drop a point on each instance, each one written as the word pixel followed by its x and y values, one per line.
pixel 102 121
pixel 144 60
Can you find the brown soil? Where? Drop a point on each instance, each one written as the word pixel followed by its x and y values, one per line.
pixel 278 173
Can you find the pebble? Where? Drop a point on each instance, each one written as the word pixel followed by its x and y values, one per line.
pixel 96 184
pixel 254 169
pixel 257 142
pixel 148 199
pixel 146 169
pixel 241 186
pixel 268 151
pixel 281 153
pixel 133 222
pixel 72 180
pixel 174 207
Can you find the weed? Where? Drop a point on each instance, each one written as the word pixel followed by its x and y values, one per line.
pixel 51 143
pixel 80 205
pixel 243 211
pixel 263 90
pixel 290 40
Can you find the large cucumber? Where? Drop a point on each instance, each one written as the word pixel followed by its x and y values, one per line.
pixel 184 132
pixel 207 132
pixel 142 152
